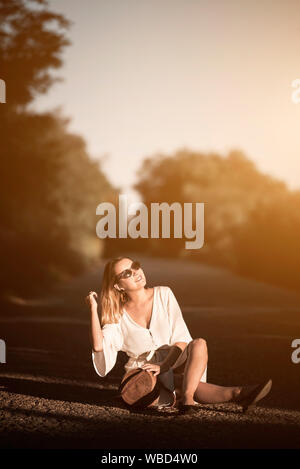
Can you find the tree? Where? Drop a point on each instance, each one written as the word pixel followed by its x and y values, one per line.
pixel 30 48
pixel 50 185
pixel 251 219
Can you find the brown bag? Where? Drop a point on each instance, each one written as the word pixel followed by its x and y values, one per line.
pixel 141 389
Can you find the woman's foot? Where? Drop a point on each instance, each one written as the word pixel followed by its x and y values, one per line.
pixel 250 395
pixel 187 408
pixel 187 401
pixel 187 405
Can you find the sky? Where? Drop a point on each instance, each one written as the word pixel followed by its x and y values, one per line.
pixel 149 76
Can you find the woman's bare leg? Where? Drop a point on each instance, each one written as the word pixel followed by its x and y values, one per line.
pixel 192 388
pixel 195 366
pixel 207 393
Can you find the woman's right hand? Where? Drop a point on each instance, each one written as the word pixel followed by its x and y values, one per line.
pixel 90 299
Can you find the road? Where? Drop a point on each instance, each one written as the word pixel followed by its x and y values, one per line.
pixel 51 397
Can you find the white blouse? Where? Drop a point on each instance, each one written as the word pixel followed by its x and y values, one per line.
pixel 167 326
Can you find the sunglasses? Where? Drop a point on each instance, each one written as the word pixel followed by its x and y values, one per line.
pixel 128 272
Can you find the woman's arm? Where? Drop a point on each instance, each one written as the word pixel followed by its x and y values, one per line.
pixel 173 355
pixel 179 332
pixel 96 335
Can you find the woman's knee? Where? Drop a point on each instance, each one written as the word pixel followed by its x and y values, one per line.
pixel 199 344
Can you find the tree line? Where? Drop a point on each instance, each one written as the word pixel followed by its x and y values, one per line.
pixel 50 185
pixel 252 220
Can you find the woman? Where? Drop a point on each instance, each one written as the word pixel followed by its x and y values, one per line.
pixel 147 324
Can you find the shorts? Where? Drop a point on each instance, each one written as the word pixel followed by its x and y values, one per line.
pixel 173 378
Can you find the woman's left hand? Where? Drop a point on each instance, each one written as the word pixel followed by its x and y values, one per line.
pixel 151 367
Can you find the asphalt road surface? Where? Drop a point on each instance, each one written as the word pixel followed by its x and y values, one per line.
pixel 51 397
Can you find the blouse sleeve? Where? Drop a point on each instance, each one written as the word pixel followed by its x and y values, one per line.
pixel 105 360
pixel 179 330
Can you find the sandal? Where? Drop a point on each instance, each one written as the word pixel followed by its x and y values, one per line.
pixel 250 395
pixel 189 409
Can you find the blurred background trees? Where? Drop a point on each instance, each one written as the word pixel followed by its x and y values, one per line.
pixel 252 221
pixel 32 39
pixel 50 187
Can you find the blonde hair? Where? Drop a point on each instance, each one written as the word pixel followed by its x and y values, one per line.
pixel 111 300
